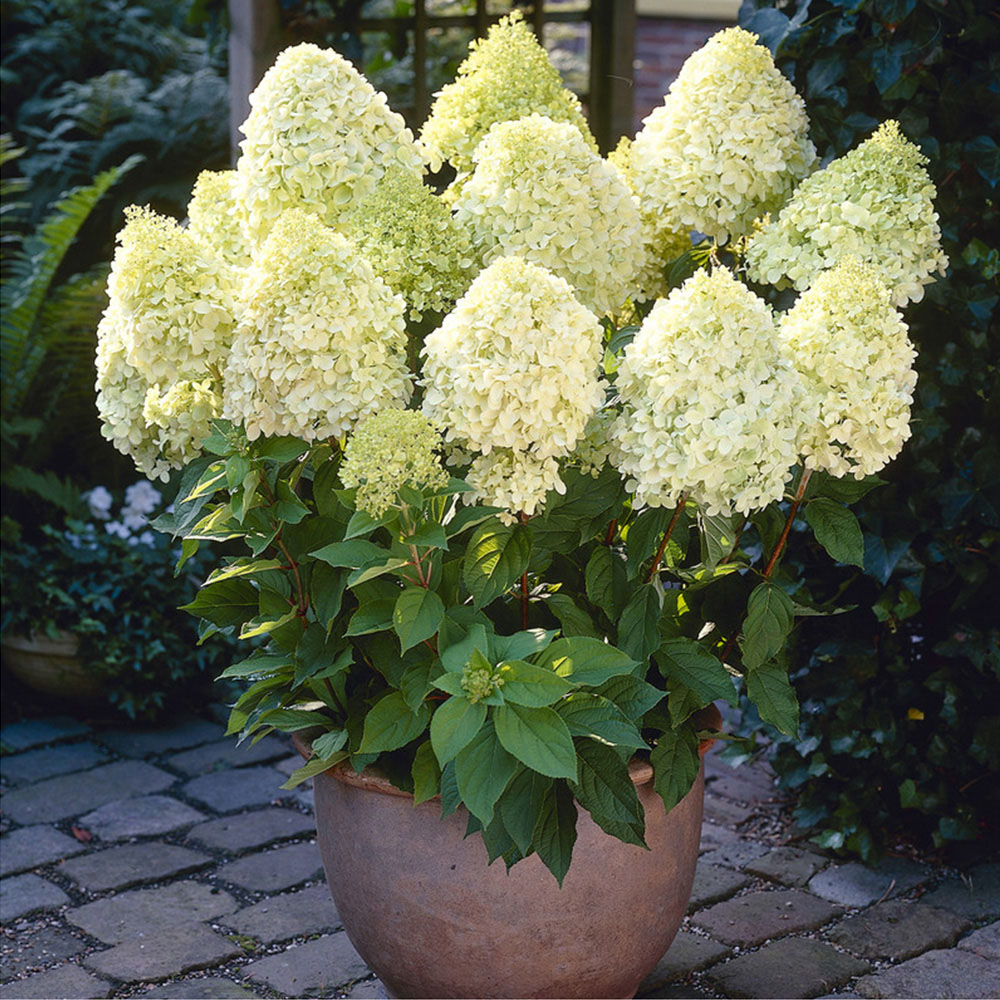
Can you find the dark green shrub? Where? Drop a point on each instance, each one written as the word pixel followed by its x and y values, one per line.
pixel 901 697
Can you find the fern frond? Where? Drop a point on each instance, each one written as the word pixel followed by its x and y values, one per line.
pixel 47 486
pixel 33 269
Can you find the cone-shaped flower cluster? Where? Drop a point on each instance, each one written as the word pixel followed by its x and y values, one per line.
pixel 729 143
pixel 319 136
pixel 214 216
pixel 539 192
pixel 515 367
pixel 874 203
pixel 506 76
pixel 181 418
pixel 413 242
pixel 321 343
pixel 852 346
pixel 710 403
pixel 395 448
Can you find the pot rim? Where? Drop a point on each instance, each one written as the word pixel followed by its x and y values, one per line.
pixel 640 770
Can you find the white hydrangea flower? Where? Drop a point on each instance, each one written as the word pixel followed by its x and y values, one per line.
pixel 515 366
pixel 321 342
pixel 506 76
pixel 597 447
pixel 874 203
pixel 214 216
pixel 142 497
pixel 173 297
pixel 851 345
pixel 659 245
pixel 181 418
pixel 413 242
pixel 710 404
pixel 729 143
pixel 538 191
pixel 99 501
pixel 516 481
pixel 319 136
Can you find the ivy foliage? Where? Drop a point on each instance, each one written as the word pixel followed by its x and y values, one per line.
pixel 900 729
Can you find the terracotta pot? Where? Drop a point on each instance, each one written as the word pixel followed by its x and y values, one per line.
pixel 432 919
pixel 50 666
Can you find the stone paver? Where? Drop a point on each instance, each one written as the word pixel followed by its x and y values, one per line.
pixel 37 765
pixel 855 885
pixel 714 837
pixel 752 919
pixel 44 947
pixel 140 817
pixel 31 846
pixel 712 883
pixel 72 794
pixel 223 754
pixel 68 982
pixel 725 811
pixel 369 989
pixel 227 791
pixel 23 894
pixel 36 732
pixel 787 865
pixel 208 988
pixel 985 942
pixel 253 829
pixel 146 742
pixel 689 953
pixel 794 967
pixel 976 896
pixel 316 967
pixel 280 918
pixel 121 867
pixel 751 787
pixel 898 930
pixel 734 855
pixel 272 871
pixel 944 975
pixel 170 952
pixel 144 913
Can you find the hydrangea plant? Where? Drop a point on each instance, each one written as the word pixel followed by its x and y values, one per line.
pixel 514 483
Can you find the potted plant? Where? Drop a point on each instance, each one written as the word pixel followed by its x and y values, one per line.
pixel 89 607
pixel 514 468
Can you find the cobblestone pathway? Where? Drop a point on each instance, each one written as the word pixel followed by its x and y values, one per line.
pixel 167 864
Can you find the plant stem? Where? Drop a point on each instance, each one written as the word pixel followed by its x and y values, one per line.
pixel 666 538
pixel 612 528
pixel 793 510
pixel 524 599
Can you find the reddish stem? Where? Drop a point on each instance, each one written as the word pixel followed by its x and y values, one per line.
pixel 612 528
pixel 524 599
pixel 666 538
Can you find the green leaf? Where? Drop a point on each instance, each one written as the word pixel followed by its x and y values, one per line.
pixel 290 720
pixel 230 602
pixel 416 616
pixel 326 591
pixel 529 685
pixel 644 535
pixel 373 616
pixel 280 449
pixel 717 537
pixel 455 653
pixel 770 617
pixel 429 535
pixel 686 661
pixel 639 627
pixel 452 683
pixel 606 579
pixel 555 832
pixel 362 523
pixel 390 724
pixel 416 682
pixel 426 774
pixel 520 645
pixel 377 567
pixel 606 790
pixel 454 725
pixel 635 697
pixel 683 702
pixel 521 804
pixel 482 771
pixel 352 554
pixel 537 737
pixel 311 768
pixel 597 718
pixel 844 490
pixel 264 624
pixel 243 567
pixel 676 764
pixel 573 619
pixel 259 664
pixel 769 690
pixel 497 555
pixel 583 660
pixel 329 744
pixel 837 530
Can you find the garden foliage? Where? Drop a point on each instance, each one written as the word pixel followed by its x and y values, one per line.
pixel 900 729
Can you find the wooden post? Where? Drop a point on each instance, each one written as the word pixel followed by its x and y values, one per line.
pixel 255 39
pixel 612 53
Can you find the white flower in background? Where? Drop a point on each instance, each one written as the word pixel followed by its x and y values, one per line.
pixel 319 137
pixel 874 203
pixel 143 497
pixel 173 299
pixel 729 143
pixel 851 345
pixel 321 342
pixel 539 192
pixel 506 76
pixel 214 216
pixel 99 501
pixel 413 243
pixel 710 404
pixel 515 366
